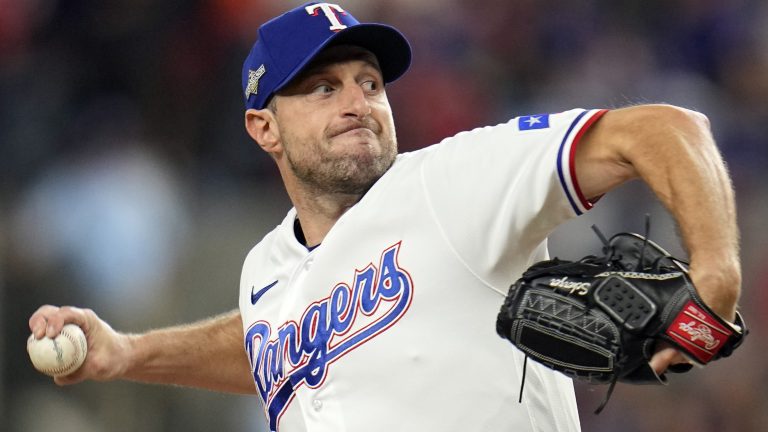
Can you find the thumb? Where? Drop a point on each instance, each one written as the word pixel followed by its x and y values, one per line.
pixel 73 378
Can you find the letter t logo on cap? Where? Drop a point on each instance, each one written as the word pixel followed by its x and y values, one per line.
pixel 329 9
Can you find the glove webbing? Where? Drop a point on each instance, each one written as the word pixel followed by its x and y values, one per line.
pixel 611 256
pixel 591 265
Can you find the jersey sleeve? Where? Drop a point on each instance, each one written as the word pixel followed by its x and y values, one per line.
pixel 497 192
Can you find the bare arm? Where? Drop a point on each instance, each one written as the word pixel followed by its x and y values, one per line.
pixel 673 151
pixel 206 354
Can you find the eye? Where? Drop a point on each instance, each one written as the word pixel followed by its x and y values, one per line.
pixel 370 86
pixel 322 89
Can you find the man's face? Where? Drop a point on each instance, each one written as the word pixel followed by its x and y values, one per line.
pixel 336 124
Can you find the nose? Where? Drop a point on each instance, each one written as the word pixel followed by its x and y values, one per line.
pixel 355 102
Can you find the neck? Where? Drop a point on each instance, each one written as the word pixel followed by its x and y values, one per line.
pixel 318 212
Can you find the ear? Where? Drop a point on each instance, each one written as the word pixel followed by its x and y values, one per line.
pixel 262 127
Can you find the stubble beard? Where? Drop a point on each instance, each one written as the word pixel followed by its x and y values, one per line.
pixel 352 174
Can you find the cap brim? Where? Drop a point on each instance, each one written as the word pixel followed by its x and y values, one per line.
pixel 388 45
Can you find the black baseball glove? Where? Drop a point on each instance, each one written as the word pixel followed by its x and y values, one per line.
pixel 598 319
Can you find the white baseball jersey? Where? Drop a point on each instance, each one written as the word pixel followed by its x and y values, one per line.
pixel 389 324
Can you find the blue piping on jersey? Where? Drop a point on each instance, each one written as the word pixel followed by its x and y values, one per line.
pixel 560 165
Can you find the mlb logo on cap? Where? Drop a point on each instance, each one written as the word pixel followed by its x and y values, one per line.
pixel 288 43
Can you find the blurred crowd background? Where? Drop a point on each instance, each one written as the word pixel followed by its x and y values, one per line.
pixel 129 185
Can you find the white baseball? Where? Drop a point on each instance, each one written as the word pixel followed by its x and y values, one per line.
pixel 61 355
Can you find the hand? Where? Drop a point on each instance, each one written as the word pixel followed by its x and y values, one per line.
pixel 108 350
pixel 719 293
pixel 665 356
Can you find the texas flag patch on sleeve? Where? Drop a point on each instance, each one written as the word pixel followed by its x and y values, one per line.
pixel 532 122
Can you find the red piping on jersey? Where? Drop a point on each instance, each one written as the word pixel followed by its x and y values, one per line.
pixel 572 157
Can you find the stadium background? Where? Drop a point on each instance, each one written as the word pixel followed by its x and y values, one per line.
pixel 129 185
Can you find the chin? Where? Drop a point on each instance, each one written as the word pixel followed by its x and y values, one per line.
pixel 358 144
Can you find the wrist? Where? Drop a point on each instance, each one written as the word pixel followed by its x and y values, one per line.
pixel 719 287
pixel 133 355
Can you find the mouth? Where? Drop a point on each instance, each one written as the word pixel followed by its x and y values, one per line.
pixel 357 132
pixel 354 129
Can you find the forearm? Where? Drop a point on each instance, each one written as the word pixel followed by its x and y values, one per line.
pixel 673 151
pixel 207 354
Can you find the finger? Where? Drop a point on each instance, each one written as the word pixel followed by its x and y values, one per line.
pixel 73 378
pixel 662 359
pixel 65 315
pixel 38 321
pixel 666 357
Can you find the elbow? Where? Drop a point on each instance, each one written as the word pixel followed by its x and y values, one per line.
pixel 659 129
pixel 701 119
pixel 682 119
pixel 695 119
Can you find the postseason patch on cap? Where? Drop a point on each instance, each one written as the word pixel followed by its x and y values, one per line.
pixel 531 122
pixel 253 81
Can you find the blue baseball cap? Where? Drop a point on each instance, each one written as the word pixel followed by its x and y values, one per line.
pixel 287 43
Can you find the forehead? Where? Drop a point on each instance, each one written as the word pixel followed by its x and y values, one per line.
pixel 338 54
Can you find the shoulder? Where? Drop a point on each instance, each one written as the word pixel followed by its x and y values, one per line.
pixel 276 240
